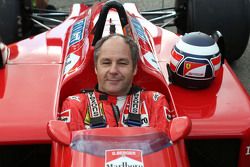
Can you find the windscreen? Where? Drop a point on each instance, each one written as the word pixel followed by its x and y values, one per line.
pixel 96 145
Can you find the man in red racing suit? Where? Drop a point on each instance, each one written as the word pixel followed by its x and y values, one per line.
pixel 115 102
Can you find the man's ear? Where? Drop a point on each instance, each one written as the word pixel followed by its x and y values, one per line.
pixel 95 70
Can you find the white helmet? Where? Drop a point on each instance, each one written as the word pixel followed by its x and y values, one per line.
pixel 195 61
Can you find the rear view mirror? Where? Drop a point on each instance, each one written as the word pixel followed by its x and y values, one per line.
pixel 59 132
pixel 4 52
pixel 179 128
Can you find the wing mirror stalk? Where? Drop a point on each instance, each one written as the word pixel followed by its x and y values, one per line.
pixel 59 132
pixel 180 128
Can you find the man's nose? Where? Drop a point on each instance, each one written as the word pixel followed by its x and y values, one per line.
pixel 113 68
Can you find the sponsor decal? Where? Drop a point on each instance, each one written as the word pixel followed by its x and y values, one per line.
pixel 144 115
pixel 77 98
pixel 151 59
pixel 77 32
pixel 71 61
pixel 167 113
pixel 94 109
pixel 194 69
pixel 144 120
pixel 248 150
pixel 139 29
pixel 123 158
pixel 156 96
pixel 65 115
pixel 135 103
pixel 188 66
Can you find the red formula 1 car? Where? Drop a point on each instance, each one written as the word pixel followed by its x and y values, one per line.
pixel 38 73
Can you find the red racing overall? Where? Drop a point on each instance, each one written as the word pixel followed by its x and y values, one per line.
pixel 93 109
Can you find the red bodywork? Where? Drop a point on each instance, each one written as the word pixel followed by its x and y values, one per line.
pixel 38 77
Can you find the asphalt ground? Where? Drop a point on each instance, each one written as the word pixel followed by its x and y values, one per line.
pixel 241 67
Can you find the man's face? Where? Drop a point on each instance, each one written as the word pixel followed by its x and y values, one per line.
pixel 114 67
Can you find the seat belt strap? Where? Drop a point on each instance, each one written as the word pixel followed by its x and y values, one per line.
pixel 96 117
pixel 134 115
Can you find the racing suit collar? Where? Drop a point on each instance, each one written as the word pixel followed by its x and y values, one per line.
pixel 104 96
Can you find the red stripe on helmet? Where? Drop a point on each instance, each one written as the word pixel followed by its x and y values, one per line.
pixel 176 55
pixel 216 60
pixel 172 67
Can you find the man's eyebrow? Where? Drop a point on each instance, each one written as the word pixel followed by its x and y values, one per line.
pixel 123 59
pixel 104 59
pixel 119 60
